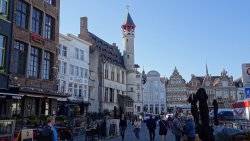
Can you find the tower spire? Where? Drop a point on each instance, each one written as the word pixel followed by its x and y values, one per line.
pixel 206 70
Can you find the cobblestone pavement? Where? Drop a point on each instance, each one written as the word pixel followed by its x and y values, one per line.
pixel 144 135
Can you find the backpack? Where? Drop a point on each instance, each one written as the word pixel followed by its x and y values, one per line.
pixel 46 134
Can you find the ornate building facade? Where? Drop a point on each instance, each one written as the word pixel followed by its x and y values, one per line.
pixel 176 92
pixel 154 94
pixel 206 82
pixel 112 76
pixel 225 90
pixel 220 87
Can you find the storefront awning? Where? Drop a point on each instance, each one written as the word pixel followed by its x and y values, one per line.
pixel 122 99
pixel 10 95
pixel 74 102
pixel 37 92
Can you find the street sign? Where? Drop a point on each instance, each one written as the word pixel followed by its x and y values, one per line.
pixel 246 74
pixel 247 92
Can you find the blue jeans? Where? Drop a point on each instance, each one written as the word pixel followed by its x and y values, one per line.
pixel 137 133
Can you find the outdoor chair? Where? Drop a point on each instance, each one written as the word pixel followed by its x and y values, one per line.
pixel 93 135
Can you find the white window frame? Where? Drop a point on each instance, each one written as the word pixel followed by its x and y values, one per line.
pixel 7 8
pixel 64 67
pixel 82 55
pixel 70 90
pixel 72 69
pixel 76 71
pixel 76 53
pixel 64 51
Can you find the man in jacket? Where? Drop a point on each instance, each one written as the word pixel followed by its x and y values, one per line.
pixel 151 124
pixel 177 127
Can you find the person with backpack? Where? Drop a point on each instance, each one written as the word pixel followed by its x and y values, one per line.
pixel 163 129
pixel 151 124
pixel 189 128
pixel 49 132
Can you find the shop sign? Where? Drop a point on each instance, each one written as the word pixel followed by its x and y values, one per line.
pixel 37 38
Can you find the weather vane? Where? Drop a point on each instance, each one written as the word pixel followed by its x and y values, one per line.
pixel 127 7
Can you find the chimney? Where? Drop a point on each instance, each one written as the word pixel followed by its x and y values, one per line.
pixel 114 44
pixel 84 25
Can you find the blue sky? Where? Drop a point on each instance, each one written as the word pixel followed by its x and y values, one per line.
pixel 169 33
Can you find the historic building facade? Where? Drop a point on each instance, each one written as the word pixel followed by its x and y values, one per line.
pixel 222 88
pixel 206 82
pixel 225 90
pixel 107 72
pixel 154 94
pixel 73 69
pixel 112 76
pixel 176 92
pixel 33 63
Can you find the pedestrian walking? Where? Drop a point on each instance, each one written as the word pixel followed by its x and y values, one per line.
pixel 177 127
pixel 163 128
pixel 189 128
pixel 137 127
pixel 49 132
pixel 151 124
pixel 107 125
pixel 123 125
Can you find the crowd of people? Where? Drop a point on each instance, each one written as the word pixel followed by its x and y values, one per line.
pixel 179 127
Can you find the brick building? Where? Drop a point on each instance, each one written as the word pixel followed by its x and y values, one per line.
pixel 33 58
